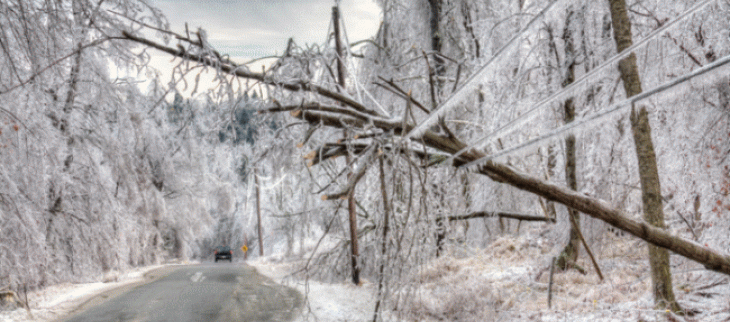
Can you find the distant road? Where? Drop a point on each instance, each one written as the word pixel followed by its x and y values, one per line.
pixel 205 292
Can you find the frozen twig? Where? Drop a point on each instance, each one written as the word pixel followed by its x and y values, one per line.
pixel 366 161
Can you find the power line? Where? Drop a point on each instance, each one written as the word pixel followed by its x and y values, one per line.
pixel 462 90
pixel 481 143
pixel 613 109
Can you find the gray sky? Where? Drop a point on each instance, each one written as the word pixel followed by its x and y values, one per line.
pixel 254 28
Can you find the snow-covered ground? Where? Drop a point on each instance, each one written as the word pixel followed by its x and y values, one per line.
pixel 508 281
pixel 324 302
pixel 54 302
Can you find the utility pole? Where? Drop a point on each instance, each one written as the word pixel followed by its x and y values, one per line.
pixel 354 252
pixel 258 212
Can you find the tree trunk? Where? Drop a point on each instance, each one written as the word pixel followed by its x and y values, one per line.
pixel 352 212
pixel 569 255
pixel 384 242
pixel 648 172
pixel 436 44
pixel 436 83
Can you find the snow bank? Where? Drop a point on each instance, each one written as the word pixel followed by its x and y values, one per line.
pixel 323 301
pixel 508 281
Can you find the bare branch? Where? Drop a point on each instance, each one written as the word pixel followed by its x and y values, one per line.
pixel 355 177
pixel 237 70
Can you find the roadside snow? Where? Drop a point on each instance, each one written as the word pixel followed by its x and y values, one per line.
pixel 56 301
pixel 324 302
pixel 508 281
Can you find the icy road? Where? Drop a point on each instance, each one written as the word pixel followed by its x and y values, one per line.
pixel 204 292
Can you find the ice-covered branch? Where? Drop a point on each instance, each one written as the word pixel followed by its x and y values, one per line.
pixel 365 161
pixel 239 71
pixel 590 206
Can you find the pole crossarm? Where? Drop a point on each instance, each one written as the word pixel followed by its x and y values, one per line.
pixel 507 215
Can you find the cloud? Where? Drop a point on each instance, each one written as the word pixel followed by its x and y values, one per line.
pixel 262 27
pixel 248 29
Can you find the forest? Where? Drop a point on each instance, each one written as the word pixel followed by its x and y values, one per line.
pixel 573 145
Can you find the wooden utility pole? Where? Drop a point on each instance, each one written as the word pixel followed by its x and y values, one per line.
pixel 258 212
pixel 354 252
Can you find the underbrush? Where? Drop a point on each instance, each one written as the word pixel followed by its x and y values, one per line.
pixel 509 281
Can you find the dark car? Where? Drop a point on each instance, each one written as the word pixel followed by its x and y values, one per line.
pixel 223 252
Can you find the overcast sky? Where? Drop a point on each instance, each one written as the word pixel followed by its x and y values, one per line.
pixel 255 28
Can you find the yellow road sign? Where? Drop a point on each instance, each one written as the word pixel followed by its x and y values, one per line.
pixel 244 248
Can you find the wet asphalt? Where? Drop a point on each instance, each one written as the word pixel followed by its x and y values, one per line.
pixel 203 292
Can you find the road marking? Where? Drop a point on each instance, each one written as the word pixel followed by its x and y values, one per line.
pixel 197 277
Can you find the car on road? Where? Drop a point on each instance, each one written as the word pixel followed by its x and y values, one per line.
pixel 223 252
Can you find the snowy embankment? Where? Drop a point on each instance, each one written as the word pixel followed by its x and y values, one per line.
pixel 57 301
pixel 508 281
pixel 324 302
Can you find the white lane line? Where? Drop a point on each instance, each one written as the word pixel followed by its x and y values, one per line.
pixel 197 277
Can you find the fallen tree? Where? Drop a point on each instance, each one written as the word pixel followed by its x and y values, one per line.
pixel 358 118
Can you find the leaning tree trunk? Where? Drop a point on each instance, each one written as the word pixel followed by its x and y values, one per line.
pixel 648 172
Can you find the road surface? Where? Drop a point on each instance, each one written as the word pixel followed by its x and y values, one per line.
pixel 204 292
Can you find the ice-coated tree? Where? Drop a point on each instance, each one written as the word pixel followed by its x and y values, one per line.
pixel 497 106
pixel 98 175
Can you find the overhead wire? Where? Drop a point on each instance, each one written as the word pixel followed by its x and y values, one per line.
pixel 454 97
pixel 481 143
pixel 613 109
